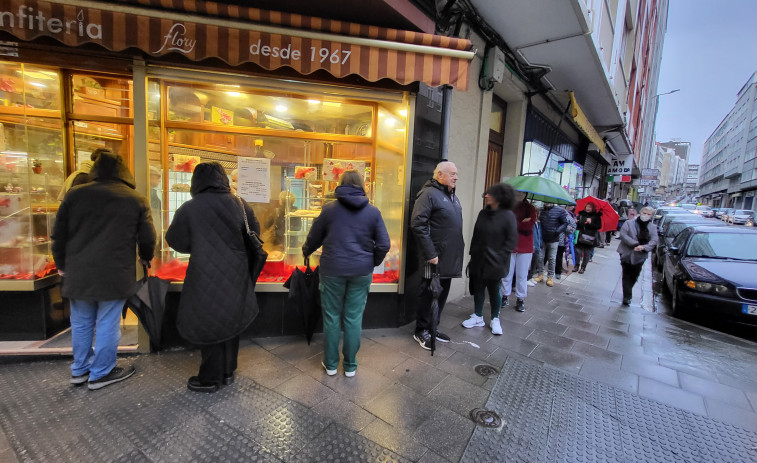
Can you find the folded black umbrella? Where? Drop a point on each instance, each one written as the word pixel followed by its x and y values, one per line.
pixel 305 297
pixel 435 288
pixel 149 305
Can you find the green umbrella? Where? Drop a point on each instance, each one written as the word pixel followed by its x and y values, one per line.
pixel 541 189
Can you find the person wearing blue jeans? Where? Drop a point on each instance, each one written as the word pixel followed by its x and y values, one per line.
pixel 354 240
pixel 97 229
pixel 85 316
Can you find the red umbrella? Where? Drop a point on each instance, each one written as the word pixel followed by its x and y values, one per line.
pixel 609 216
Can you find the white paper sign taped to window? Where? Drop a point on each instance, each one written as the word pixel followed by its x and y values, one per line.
pixel 254 179
pixel 622 165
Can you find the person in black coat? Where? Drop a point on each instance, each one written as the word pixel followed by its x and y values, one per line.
pixel 495 236
pixel 97 229
pixel 218 300
pixel 354 240
pixel 588 224
pixel 437 224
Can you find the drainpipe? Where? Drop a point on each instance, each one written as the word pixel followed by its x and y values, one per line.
pixel 446 105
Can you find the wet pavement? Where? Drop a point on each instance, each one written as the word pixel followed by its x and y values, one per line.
pixel 577 377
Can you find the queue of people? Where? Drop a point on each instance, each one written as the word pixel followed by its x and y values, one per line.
pixel 101 222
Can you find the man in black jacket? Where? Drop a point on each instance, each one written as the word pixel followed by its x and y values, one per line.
pixel 98 226
pixel 437 223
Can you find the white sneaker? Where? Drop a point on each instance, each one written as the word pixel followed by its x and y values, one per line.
pixel 328 372
pixel 349 374
pixel 496 327
pixel 531 282
pixel 474 321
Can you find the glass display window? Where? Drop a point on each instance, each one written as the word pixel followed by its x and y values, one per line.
pixel 299 144
pixel 101 115
pixel 31 168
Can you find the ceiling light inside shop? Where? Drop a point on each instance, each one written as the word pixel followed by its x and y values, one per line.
pixel 43 75
pixel 314 101
pixel 390 122
pixel 235 94
pixel 38 84
pixel 281 108
pixel 403 112
pixel 333 104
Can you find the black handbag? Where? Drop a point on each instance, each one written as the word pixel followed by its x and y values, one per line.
pixel 586 239
pixel 256 255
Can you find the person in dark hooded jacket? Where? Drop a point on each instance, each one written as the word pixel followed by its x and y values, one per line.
pixel 495 236
pixel 354 240
pixel 98 226
pixel 218 300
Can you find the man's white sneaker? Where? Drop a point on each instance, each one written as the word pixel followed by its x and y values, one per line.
pixel 474 321
pixel 531 283
pixel 496 327
pixel 328 372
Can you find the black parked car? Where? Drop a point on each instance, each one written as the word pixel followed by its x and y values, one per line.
pixel 675 224
pixel 662 213
pixel 713 270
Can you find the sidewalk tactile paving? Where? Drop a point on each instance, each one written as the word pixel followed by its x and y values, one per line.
pixel 553 416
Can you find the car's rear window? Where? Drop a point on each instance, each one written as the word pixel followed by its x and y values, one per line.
pixel 726 245
pixel 703 208
pixel 743 212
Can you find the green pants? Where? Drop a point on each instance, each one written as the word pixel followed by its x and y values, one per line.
pixel 343 300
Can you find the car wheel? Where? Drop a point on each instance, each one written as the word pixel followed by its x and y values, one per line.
pixel 676 303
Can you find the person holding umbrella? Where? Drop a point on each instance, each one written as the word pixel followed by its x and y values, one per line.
pixel 97 230
pixel 495 236
pixel 637 238
pixel 218 300
pixel 354 240
pixel 588 224
pixel 437 223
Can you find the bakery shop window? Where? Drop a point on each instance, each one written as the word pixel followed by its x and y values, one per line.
pixel 283 151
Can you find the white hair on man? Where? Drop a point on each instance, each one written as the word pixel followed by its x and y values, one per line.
pixel 443 166
pixel 647 209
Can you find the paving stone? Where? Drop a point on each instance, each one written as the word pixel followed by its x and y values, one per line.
pixel 558 358
pixel 340 445
pixel 344 412
pixel 402 407
pixel 728 413
pixel 587 337
pixel 418 376
pixel 610 373
pixel 460 396
pixel 551 340
pixel 587 350
pixel 462 366
pixel 395 439
pixel 305 390
pixel 445 432
pixel 671 395
pixel 650 369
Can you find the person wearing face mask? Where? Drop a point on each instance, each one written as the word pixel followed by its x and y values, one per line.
pixel 637 238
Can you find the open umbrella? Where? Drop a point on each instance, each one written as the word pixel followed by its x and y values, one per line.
pixel 305 297
pixel 149 305
pixel 609 215
pixel 435 288
pixel 540 189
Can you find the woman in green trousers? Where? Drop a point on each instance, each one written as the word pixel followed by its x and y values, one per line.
pixel 354 240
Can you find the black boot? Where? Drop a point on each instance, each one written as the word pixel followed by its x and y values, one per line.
pixel 520 305
pixel 195 385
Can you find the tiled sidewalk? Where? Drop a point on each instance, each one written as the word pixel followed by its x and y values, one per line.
pixel 403 404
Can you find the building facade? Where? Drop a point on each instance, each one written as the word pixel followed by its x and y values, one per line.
pixel 728 173
pixel 501 88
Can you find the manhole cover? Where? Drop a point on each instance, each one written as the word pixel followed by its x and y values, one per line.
pixel 485 418
pixel 487 371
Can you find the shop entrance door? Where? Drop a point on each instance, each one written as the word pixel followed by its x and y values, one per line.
pixel 496 142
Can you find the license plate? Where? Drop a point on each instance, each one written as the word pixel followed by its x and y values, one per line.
pixel 749 309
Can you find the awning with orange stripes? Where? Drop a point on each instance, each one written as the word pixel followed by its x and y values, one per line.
pixel 236 35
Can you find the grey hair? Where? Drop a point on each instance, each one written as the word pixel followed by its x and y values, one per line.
pixel 442 166
pixel 647 209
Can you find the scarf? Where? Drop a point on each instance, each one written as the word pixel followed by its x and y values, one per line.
pixel 643 232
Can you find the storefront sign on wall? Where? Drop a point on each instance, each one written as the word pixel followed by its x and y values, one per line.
pixel 622 165
pixel 242 36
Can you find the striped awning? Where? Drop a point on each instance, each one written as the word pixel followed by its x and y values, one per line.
pixel 236 35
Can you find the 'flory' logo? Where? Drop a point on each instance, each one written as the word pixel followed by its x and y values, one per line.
pixel 176 40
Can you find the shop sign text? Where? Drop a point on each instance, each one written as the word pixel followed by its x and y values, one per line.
pixel 321 55
pixel 623 165
pixel 27 18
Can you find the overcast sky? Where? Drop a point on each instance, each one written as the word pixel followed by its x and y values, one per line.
pixel 710 51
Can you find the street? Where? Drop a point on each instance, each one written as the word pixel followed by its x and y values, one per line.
pixel 577 377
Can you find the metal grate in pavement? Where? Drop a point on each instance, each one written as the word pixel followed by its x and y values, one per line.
pixel 551 416
pixel 153 418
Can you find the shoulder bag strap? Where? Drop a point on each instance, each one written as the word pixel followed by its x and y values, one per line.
pixel 244 215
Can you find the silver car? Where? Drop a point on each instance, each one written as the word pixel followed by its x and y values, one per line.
pixel 740 216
